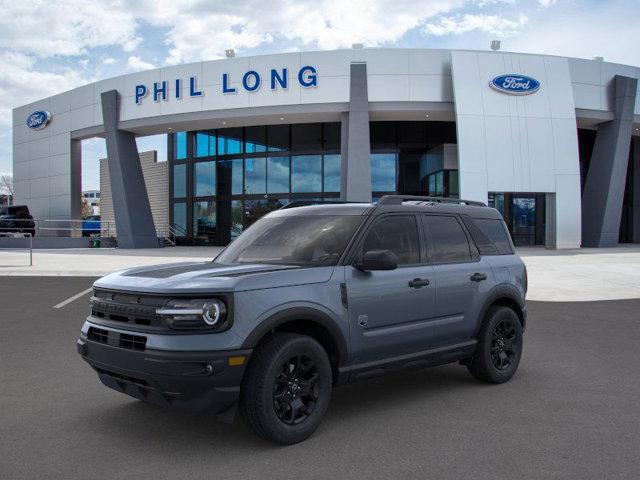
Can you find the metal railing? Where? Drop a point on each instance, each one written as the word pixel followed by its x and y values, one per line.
pixel 171 233
pixel 52 228
pixel 20 235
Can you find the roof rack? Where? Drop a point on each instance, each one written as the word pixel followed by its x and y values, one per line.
pixel 306 203
pixel 399 199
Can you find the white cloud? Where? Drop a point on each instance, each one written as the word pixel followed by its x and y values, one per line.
pixel 547 3
pixel 491 24
pixel 108 61
pixel 135 63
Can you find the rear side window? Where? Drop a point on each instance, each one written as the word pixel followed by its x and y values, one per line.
pixel 397 233
pixel 496 231
pixel 448 242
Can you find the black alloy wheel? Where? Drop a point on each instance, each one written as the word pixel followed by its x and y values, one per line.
pixel 502 344
pixel 295 392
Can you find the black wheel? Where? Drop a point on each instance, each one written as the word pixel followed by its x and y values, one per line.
pixel 499 346
pixel 287 388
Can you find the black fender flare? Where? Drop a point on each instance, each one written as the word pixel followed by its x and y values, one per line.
pixel 502 291
pixel 300 313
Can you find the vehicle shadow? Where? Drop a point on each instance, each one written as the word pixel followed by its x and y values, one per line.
pixel 134 421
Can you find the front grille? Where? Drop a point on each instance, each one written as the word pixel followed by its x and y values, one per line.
pixel 98 335
pixel 135 342
pixel 128 309
pixel 122 340
pixel 126 378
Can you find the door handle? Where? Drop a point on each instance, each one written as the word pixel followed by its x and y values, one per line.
pixel 478 277
pixel 418 282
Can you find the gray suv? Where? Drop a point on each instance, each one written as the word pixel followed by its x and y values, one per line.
pixel 310 297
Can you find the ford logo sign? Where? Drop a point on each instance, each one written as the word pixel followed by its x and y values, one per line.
pixel 38 119
pixel 515 84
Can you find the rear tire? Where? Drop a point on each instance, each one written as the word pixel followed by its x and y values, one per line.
pixel 499 349
pixel 286 390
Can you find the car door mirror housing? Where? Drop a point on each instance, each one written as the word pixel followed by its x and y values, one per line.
pixel 377 260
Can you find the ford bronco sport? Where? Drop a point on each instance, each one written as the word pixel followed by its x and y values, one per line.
pixel 310 297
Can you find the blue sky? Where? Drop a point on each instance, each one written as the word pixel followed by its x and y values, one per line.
pixel 49 48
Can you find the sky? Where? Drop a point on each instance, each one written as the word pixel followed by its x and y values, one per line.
pixel 48 47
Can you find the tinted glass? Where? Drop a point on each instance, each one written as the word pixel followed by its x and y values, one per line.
pixel 396 233
pixel 383 172
pixel 496 231
pixel 255 175
pixel 278 175
pixel 331 132
pixel 204 219
pixel 383 135
pixel 317 240
pixel 306 136
pixel 255 139
pixel 230 177
pixel 278 137
pixel 205 144
pixel 180 217
pixel 237 218
pixel 180 145
pixel 306 173
pixel 448 242
pixel 229 141
pixel 180 180
pixel 332 173
pixel 412 134
pixel 204 179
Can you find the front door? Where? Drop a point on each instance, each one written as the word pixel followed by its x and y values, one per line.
pixel 389 311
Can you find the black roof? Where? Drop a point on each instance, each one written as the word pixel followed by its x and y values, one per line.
pixel 392 203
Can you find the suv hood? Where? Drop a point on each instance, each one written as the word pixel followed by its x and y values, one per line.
pixel 210 277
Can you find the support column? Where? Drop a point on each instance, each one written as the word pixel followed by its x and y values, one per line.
pixel 355 177
pixel 131 208
pixel 604 187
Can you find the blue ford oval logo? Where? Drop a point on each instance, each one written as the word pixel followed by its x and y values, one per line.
pixel 38 119
pixel 515 84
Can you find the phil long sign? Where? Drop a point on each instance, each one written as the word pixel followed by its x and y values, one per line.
pixel 515 84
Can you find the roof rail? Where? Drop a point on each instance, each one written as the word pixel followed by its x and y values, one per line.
pixel 306 203
pixel 399 199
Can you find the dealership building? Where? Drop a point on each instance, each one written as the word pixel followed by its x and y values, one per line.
pixel 552 142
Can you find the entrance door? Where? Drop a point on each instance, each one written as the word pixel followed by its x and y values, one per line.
pixel 523 219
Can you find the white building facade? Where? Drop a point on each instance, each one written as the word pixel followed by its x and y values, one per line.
pixel 550 141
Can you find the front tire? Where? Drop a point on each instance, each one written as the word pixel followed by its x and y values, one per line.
pixel 287 388
pixel 499 349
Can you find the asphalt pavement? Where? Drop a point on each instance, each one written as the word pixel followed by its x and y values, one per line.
pixel 571 412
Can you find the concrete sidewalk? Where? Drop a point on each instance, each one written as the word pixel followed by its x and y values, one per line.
pixel 554 275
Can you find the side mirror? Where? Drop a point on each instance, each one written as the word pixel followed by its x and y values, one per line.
pixel 377 260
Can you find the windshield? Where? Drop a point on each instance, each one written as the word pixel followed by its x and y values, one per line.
pixel 317 240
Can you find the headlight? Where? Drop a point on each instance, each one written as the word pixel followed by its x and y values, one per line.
pixel 194 314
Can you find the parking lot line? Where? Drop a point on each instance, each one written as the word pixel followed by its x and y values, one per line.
pixel 75 297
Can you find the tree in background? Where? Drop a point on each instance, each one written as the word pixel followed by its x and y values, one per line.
pixel 86 208
pixel 6 187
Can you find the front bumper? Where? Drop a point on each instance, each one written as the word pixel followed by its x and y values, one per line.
pixel 196 381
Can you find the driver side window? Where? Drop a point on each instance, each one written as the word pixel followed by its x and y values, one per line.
pixel 396 233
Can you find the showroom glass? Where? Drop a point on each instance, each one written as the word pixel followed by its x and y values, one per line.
pixel 396 233
pixel 448 243
pixel 255 139
pixel 204 218
pixel 180 146
pixel 180 180
pixel 230 177
pixel 180 217
pixel 204 179
pixel 306 173
pixel 205 144
pixel 332 173
pixel 278 170
pixel 255 175
pixel 383 172
pixel 317 240
pixel 229 141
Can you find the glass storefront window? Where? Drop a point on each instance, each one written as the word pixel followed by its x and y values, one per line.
pixel 205 144
pixel 383 172
pixel 180 180
pixel 204 179
pixel 230 177
pixel 255 139
pixel 237 218
pixel 180 146
pixel 180 217
pixel 229 141
pixel 204 219
pixel 332 173
pixel 306 173
pixel 306 137
pixel 278 175
pixel 278 137
pixel 255 176
pixel 332 135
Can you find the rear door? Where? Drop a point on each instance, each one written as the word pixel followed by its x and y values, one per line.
pixel 462 277
pixel 389 311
